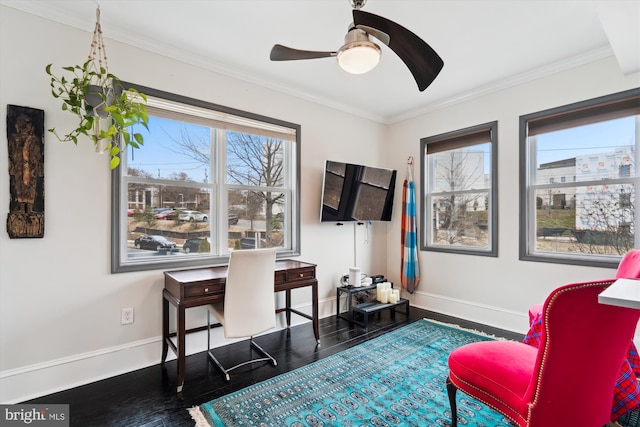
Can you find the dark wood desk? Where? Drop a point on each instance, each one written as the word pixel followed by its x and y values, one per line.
pixel 194 288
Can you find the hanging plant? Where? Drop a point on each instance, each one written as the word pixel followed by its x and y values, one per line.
pixel 104 109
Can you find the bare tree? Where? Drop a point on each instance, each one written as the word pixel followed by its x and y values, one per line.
pixel 254 203
pixel 257 161
pixel 190 146
pixel 457 171
pixel 252 160
pixel 606 216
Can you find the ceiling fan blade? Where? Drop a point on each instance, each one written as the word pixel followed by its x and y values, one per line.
pixel 423 62
pixel 284 53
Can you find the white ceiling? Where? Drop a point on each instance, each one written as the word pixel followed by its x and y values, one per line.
pixel 485 44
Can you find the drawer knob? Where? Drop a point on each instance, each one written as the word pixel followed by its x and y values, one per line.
pixel 206 289
pixel 301 275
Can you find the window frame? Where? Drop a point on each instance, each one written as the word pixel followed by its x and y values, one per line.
pixel 567 117
pixel 117 208
pixel 458 139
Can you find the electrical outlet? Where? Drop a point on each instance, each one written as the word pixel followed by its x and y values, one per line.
pixel 127 316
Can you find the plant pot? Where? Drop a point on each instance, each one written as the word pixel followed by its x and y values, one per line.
pixel 95 100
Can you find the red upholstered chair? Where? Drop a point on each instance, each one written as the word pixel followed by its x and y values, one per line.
pixel 568 380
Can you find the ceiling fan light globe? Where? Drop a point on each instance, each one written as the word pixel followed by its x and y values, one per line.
pixel 359 57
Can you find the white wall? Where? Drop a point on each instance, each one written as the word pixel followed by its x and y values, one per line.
pixel 59 304
pixel 496 291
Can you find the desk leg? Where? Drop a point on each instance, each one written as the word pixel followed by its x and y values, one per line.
pixel 181 346
pixel 314 303
pixel 288 305
pixel 165 329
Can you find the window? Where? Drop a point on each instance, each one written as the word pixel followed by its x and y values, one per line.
pixel 591 219
pixel 459 207
pixel 208 180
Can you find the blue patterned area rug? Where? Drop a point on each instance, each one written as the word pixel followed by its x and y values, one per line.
pixel 397 379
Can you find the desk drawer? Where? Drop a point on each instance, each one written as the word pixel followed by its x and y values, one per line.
pixel 203 290
pixel 300 274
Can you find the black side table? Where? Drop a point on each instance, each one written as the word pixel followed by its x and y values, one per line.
pixel 366 308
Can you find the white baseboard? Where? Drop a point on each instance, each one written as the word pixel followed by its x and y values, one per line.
pixel 29 382
pixel 33 381
pixel 489 315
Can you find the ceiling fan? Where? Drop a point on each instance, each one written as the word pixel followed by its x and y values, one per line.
pixel 359 54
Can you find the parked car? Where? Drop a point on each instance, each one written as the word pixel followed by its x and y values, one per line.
pixel 192 245
pixel 164 213
pixel 192 216
pixel 132 212
pixel 233 219
pixel 250 243
pixel 154 242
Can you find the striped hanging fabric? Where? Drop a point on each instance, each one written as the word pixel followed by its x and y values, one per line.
pixel 410 269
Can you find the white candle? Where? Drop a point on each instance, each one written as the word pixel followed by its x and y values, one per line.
pixel 393 297
pixel 384 296
pixel 380 287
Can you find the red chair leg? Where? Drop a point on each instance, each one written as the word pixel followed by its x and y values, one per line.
pixel 451 391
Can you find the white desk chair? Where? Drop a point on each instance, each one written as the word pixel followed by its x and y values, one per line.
pixel 249 306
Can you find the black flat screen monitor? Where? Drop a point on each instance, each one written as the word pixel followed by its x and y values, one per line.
pixel 353 192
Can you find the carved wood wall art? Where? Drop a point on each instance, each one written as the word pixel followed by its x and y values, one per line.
pixel 25 141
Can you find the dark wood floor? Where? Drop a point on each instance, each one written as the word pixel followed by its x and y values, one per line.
pixel 148 398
